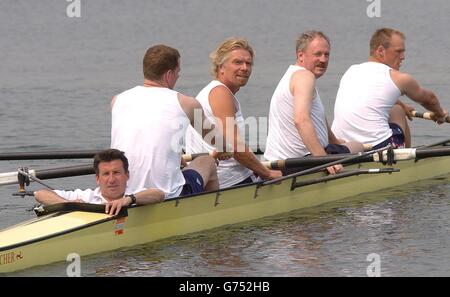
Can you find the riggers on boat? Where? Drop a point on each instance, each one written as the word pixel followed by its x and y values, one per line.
pixel 84 229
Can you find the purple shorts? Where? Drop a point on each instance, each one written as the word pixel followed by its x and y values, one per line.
pixel 397 139
pixel 332 149
pixel 194 182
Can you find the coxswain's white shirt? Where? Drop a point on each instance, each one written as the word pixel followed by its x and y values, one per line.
pixel 88 195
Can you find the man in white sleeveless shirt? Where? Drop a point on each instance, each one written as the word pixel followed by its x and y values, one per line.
pixel 149 124
pixel 368 108
pixel 297 122
pixel 232 66
pixel 111 174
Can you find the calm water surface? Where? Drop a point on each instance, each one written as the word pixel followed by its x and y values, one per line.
pixel 58 75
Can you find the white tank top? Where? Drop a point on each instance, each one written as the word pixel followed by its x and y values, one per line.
pixel 230 172
pixel 284 140
pixel 366 95
pixel 148 124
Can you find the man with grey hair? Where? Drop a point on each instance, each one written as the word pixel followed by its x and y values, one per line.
pixel 297 123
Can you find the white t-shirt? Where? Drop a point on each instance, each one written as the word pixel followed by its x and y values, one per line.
pixel 365 97
pixel 230 172
pixel 149 125
pixel 284 140
pixel 88 195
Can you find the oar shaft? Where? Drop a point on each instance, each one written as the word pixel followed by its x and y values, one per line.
pixel 76 170
pixel 346 160
pixel 190 157
pixel 10 178
pixel 311 161
pixel 426 115
pixel 82 154
pixel 60 155
pixel 399 154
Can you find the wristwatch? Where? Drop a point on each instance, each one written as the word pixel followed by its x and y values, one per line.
pixel 133 198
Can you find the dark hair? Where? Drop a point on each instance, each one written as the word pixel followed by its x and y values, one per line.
pixel 108 156
pixel 158 60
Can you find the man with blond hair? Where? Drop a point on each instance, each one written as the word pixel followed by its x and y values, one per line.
pixel 232 64
pixel 297 122
pixel 147 122
pixel 368 108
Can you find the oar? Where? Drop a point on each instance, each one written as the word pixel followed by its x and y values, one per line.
pixel 10 178
pixel 354 157
pixel 190 157
pixel 82 154
pixel 371 156
pixel 426 115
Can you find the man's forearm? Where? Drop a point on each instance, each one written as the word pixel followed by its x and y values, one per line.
pixel 310 140
pixel 48 197
pixel 149 196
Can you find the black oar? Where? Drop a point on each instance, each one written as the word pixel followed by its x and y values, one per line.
pixel 399 154
pixel 10 178
pixel 346 160
pixel 82 154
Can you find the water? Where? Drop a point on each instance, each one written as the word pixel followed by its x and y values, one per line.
pixel 58 75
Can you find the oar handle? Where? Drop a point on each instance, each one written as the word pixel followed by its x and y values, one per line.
pixel 367 147
pixel 427 115
pixel 190 157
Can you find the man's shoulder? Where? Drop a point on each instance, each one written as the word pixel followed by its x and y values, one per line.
pixel 186 99
pixel 124 94
pixel 302 76
pixel 221 96
pixel 402 77
pixel 300 71
pixel 188 102
pixel 133 89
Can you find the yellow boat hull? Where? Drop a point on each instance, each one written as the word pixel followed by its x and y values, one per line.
pixel 53 237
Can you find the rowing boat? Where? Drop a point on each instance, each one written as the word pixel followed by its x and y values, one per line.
pixel 85 229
